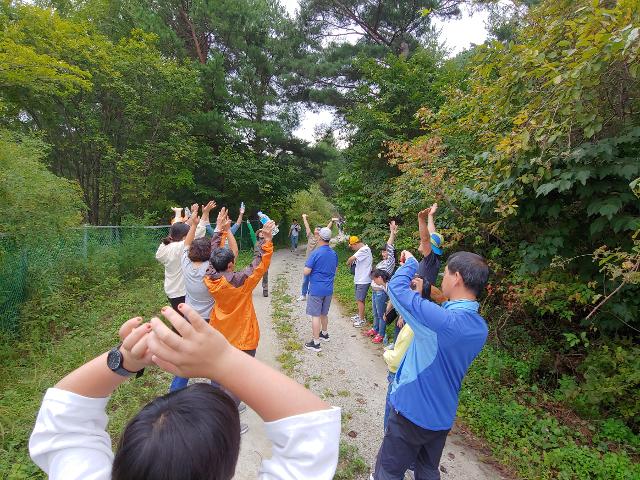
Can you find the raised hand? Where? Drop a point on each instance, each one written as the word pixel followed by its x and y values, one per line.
pixel 134 348
pixel 196 352
pixel 127 327
pixel 267 230
pixel 424 213
pixel 226 225
pixel 222 218
pixel 194 218
pixel 433 209
pixel 209 206
pixel 405 255
pixel 393 227
pixel 242 209
pixel 194 208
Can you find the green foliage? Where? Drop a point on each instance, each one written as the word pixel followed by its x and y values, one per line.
pixel 315 204
pixel 35 203
pixel 610 380
pixel 69 319
pixel 41 72
pixel 350 463
pixel 537 437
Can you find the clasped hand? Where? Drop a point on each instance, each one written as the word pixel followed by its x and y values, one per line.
pixel 197 352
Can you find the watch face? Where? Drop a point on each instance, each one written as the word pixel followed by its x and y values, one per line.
pixel 114 359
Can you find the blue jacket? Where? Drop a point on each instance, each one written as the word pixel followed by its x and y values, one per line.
pixel 447 339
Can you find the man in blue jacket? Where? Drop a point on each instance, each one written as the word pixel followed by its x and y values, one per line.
pixel 424 396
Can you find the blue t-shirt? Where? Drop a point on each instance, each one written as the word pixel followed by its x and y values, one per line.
pixel 323 263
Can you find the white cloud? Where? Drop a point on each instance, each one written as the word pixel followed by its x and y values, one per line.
pixel 460 34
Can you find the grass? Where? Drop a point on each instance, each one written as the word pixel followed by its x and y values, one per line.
pixel 41 366
pixel 76 326
pixel 284 327
pixel 350 463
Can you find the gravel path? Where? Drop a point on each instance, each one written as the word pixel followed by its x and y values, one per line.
pixel 349 373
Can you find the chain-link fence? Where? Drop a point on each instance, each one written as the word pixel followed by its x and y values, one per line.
pixel 35 270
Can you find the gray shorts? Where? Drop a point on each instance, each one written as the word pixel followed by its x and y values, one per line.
pixel 361 291
pixel 318 306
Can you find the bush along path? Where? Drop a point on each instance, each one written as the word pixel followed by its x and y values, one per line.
pixel 349 373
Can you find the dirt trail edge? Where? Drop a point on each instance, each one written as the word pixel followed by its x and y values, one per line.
pixel 349 373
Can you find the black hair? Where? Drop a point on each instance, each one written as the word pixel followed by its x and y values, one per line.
pixel 472 268
pixel 190 433
pixel 378 272
pixel 177 232
pixel 200 250
pixel 221 258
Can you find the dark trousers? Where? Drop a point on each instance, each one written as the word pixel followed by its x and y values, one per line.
pixel 406 444
pixel 265 281
pixel 175 302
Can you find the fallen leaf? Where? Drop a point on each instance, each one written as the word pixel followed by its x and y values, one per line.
pixel 352 434
pixel 451 455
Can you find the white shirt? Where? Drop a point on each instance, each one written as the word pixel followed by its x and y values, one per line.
pixel 169 256
pixel 69 441
pixel 364 261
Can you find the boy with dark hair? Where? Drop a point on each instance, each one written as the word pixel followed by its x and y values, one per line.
pixel 424 394
pixel 233 313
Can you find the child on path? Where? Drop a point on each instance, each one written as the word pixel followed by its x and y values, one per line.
pixel 363 260
pixel 169 254
pixel 233 313
pixel 379 296
pixel 195 262
pixel 190 433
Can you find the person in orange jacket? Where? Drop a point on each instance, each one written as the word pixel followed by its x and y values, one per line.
pixel 233 313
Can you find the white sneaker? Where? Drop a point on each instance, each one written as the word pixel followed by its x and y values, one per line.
pixel 355 317
pixel 359 323
pixel 302 298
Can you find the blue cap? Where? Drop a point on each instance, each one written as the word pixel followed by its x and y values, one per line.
pixel 436 243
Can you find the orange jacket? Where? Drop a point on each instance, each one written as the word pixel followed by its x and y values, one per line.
pixel 233 313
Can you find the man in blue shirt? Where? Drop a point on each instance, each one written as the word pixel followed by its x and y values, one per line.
pixel 321 267
pixel 424 395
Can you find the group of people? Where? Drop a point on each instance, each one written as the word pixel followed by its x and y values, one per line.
pixel 438 333
pixel 194 431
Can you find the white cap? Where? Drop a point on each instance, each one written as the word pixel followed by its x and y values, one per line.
pixel 325 234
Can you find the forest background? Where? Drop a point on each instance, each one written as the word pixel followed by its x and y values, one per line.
pixel 113 111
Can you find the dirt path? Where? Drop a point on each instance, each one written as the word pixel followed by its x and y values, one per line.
pixel 349 373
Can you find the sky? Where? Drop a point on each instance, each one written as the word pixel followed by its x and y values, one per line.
pixel 457 35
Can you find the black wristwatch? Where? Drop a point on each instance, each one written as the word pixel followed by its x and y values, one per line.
pixel 115 360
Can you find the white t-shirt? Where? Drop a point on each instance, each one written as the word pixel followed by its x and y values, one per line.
pixel 169 256
pixel 69 441
pixel 364 261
